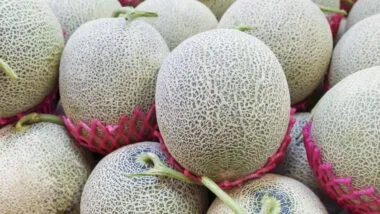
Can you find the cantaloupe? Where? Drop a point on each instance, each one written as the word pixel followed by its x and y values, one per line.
pixel 273 194
pixel 73 13
pixel 342 29
pixel 328 3
pixel 345 126
pixel 296 165
pixel 296 31
pixel 222 104
pixel 179 19
pixel 218 7
pixel 109 67
pixel 362 9
pixel 356 50
pixel 42 170
pixel 31 43
pixel 111 189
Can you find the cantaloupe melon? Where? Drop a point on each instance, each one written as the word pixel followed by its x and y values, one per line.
pixel 296 31
pixel 328 3
pixel 342 29
pixel 361 10
pixel 42 170
pixel 356 50
pixel 73 13
pixel 273 194
pixel 110 190
pixel 109 67
pixel 218 7
pixel 346 127
pixel 222 104
pixel 31 43
pixel 179 19
pixel 296 165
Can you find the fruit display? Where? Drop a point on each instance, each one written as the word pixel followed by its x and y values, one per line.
pixel 189 106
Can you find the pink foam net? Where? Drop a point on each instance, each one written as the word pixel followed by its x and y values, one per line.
pixel 132 3
pixel 47 106
pixel 105 138
pixel 357 201
pixel 272 162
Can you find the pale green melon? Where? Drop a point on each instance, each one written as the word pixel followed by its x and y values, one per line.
pixel 362 9
pixel 73 13
pixel 218 7
pixel 272 194
pixel 222 104
pixel 179 19
pixel 296 31
pixel 42 170
pixel 109 67
pixel 346 127
pixel 31 43
pixel 358 49
pixel 110 190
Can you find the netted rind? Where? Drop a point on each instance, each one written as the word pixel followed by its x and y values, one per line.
pixel 340 189
pixel 47 106
pixel 272 162
pixel 361 10
pixel 105 138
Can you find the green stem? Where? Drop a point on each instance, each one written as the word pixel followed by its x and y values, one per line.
pixel 7 70
pixel 131 13
pixel 160 169
pixel 244 28
pixel 332 10
pixel 270 205
pixel 36 118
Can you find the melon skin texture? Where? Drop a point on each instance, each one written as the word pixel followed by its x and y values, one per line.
pixel 328 3
pixel 295 164
pixel 345 127
pixel 31 42
pixel 222 104
pixel 293 196
pixel 342 29
pixel 296 31
pixel 109 67
pixel 42 170
pixel 109 190
pixel 361 10
pixel 73 13
pixel 179 19
pixel 358 49
pixel 218 7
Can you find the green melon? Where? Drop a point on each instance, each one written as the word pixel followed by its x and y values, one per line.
pixel 73 13
pixel 31 43
pixel 42 170
pixel 110 190
pixel 296 31
pixel 358 49
pixel 179 19
pixel 218 7
pixel 362 9
pixel 109 67
pixel 272 194
pixel 346 127
pixel 222 104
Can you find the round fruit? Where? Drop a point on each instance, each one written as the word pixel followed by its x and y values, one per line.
pixel 356 50
pixel 31 43
pixel 110 188
pixel 42 170
pixel 362 9
pixel 272 194
pixel 179 19
pixel 73 13
pixel 218 7
pixel 296 165
pixel 296 31
pixel 109 67
pixel 222 104
pixel 342 29
pixel 345 127
pixel 328 3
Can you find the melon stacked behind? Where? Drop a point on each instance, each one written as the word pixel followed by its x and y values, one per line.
pixel 218 7
pixel 361 10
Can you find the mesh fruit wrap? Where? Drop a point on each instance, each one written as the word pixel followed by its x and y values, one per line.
pixel 132 3
pixel 272 162
pixel 355 200
pixel 47 106
pixel 105 138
